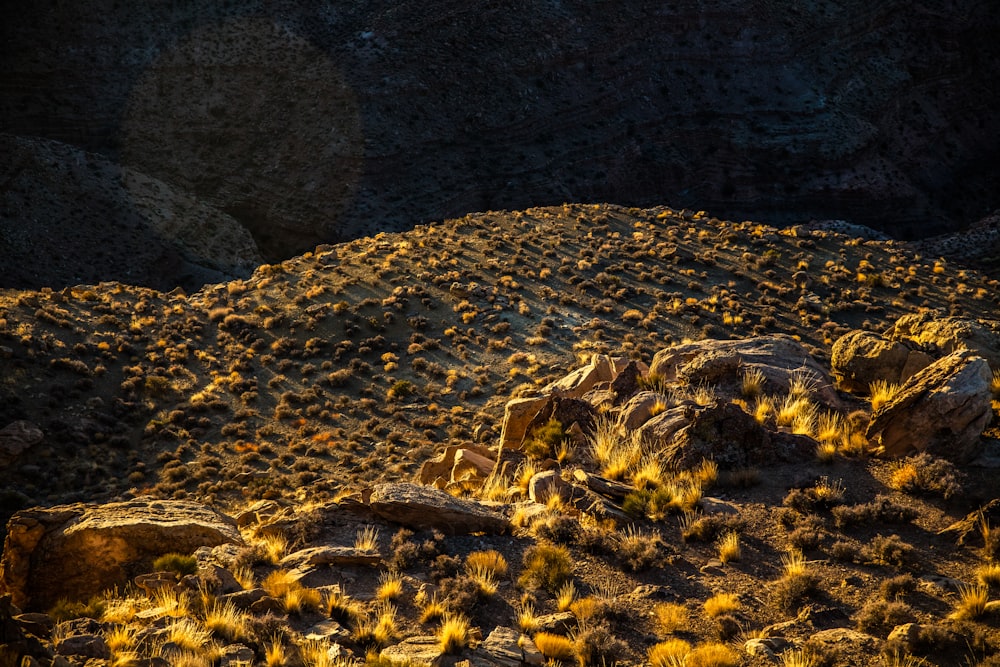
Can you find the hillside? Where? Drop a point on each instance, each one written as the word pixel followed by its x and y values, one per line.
pixel 313 123
pixel 317 384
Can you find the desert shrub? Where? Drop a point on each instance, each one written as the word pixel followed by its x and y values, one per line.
pixel 844 551
pixel 638 550
pixel 546 566
pixel 926 474
pixel 542 441
pixel 444 566
pixel 65 609
pixel 701 528
pixel 879 511
pixel 179 564
pixel 558 528
pixel 880 616
pixel 891 550
pixel 897 587
pixel 595 644
pixel 405 552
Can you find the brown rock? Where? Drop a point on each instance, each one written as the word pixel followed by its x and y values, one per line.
pixel 457 464
pixel 639 408
pixel 566 411
pixel 16 438
pixel 546 484
pixel 518 413
pixel 414 651
pixel 950 334
pixel 505 647
pixel 80 550
pixel 327 555
pixel 721 363
pixel 943 410
pixel 861 358
pixel 84 646
pixel 423 507
pixel 722 433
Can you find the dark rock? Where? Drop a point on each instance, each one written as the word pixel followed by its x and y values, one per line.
pixel 423 507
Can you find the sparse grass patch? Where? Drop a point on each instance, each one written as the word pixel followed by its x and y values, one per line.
pixel 971 603
pixel 729 547
pixel 670 617
pixel 881 392
pixel 454 633
pixel 180 564
pixel 366 539
pixel 924 473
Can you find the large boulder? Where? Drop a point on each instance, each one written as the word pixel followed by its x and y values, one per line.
pixel 76 551
pixel 457 464
pixel 722 363
pixel 942 410
pixel 949 334
pixel 424 507
pixel 861 358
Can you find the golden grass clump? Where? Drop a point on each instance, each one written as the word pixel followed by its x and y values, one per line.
pixel 432 609
pixel 390 586
pixel 988 574
pixel 227 622
pixel 491 561
pixel 670 617
pixel 729 547
pixel 972 602
pixel 366 539
pixel 454 633
pixel 712 654
pixel 565 596
pixel 881 392
pixel 721 604
pixel 527 618
pixel 752 384
pixel 187 635
pixel 555 647
pixel 671 653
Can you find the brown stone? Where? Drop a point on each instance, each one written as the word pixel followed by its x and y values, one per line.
pixel 861 358
pixel 950 334
pixel 80 550
pixel 942 410
pixel 424 507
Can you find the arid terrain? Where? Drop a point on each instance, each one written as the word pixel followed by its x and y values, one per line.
pixel 297 400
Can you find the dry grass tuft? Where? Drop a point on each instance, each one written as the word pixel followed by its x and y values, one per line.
pixel 720 604
pixel 454 633
pixel 670 617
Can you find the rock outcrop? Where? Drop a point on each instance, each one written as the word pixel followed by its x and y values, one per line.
pixel 861 358
pixel 942 410
pixel 949 334
pixel 423 507
pixel 75 551
pixel 721 363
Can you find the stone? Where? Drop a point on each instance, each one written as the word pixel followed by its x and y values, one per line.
pixel 243 599
pixel 262 511
pixel 77 551
pixel 414 651
pixel 456 464
pixel 626 381
pixel 518 413
pixel 16 438
pixel 327 630
pixel 84 646
pixel 767 647
pixel 942 410
pixel 423 508
pixel 566 411
pixel 722 363
pixel 851 641
pixel 723 433
pixel 330 555
pixel 640 408
pixel 861 358
pixel 578 382
pixel 950 334
pixel 236 655
pixel 546 484
pixel 37 624
pixel 560 623
pixel 152 582
pixel 505 647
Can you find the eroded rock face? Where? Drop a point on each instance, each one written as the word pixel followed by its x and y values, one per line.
pixel 76 551
pixel 16 438
pixel 942 410
pixel 723 433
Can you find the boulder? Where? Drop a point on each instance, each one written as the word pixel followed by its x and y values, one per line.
pixel 16 438
pixel 722 363
pixel 423 507
pixel 77 551
pixel 505 647
pixel 721 432
pixel 949 334
pixel 942 410
pixel 640 407
pixel 613 374
pixel 566 411
pixel 330 555
pixel 861 358
pixel 457 464
pixel 546 484
pixel 413 651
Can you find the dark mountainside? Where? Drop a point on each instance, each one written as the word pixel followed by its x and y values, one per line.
pixel 309 123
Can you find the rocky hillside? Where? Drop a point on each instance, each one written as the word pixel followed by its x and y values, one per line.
pixel 588 434
pixel 310 123
pixel 322 386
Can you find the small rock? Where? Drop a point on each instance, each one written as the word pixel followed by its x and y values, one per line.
pixel 236 655
pixel 87 646
pixel 546 484
pixel 414 651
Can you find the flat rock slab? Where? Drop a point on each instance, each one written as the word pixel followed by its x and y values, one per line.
pixel 77 551
pixel 424 507
pixel 335 556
